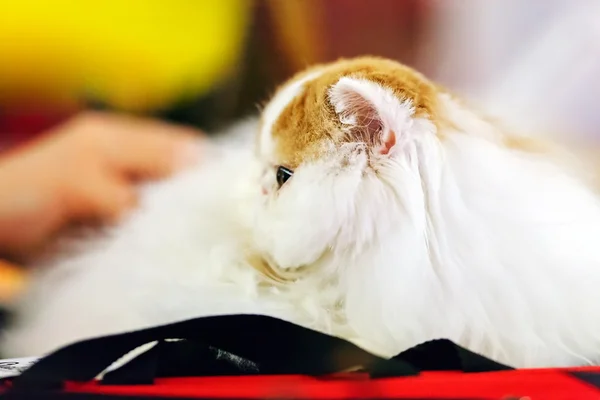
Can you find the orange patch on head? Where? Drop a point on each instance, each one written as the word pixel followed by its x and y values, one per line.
pixel 309 120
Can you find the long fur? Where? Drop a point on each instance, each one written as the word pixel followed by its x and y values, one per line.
pixel 451 234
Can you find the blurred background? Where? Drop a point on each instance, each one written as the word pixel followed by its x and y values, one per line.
pixel 207 63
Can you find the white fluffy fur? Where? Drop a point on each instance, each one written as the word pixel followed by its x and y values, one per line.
pixel 462 239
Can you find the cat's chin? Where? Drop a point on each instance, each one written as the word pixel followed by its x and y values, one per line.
pixel 277 273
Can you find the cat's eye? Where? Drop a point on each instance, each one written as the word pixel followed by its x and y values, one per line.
pixel 283 174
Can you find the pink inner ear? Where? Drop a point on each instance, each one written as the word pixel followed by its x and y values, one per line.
pixel 388 140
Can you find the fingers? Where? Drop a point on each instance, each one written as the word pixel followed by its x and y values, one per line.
pixel 85 170
pixel 28 211
pixel 102 197
pixel 155 155
pixel 112 149
pixel 145 148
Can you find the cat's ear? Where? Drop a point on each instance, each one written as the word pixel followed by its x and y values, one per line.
pixel 369 112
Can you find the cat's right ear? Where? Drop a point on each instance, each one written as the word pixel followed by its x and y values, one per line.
pixel 370 112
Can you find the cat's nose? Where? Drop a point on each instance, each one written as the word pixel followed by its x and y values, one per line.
pixel 263 190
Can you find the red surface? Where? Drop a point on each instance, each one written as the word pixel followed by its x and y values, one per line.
pixel 537 384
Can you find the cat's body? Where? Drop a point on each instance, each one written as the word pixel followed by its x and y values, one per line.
pixel 185 252
pixel 407 218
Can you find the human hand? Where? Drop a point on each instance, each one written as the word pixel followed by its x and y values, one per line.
pixel 84 170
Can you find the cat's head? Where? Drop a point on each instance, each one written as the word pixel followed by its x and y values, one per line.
pixel 340 144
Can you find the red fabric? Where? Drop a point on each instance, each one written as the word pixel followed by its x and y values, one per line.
pixel 537 384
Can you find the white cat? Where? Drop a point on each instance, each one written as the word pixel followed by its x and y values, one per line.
pixel 374 206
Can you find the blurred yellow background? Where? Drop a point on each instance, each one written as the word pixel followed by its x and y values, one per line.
pixel 134 54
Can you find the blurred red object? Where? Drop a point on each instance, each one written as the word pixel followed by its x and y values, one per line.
pixel 19 123
pixel 313 31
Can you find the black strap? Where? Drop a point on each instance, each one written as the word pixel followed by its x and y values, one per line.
pixel 273 345
pixel 179 359
pixel 444 355
pixel 140 371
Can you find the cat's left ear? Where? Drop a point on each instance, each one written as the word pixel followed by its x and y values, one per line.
pixel 370 112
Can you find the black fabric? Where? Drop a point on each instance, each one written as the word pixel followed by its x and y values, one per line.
pixel 273 346
pixel 178 359
pixel 234 345
pixel 187 358
pixel 140 371
pixel 591 378
pixel 444 355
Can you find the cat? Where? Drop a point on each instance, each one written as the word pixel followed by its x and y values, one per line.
pixel 370 204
